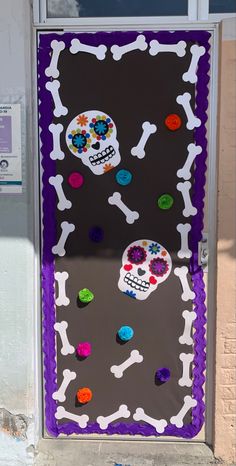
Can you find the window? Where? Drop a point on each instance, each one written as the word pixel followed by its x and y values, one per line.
pixel 222 6
pixel 115 8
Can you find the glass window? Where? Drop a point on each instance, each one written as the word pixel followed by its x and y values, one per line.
pixel 105 8
pixel 222 6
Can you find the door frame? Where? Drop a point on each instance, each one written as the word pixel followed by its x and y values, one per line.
pixel 211 214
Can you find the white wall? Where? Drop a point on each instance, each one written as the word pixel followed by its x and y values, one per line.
pixel 16 246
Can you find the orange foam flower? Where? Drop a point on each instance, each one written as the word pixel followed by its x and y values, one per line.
pixel 107 167
pixel 84 395
pixel 82 120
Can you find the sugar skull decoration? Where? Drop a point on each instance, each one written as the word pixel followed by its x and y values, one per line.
pixel 145 264
pixel 92 137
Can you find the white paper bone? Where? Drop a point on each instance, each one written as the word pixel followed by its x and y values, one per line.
pixel 52 70
pixel 130 215
pixel 57 181
pixel 68 376
pixel 188 404
pixel 197 52
pixel 189 317
pixel 185 380
pixel 56 130
pixel 104 421
pixel 192 120
pixel 184 188
pixel 181 273
pixel 61 278
pixel 148 129
pixel 139 44
pixel 179 48
pixel 99 51
pixel 135 357
pixel 159 425
pixel 59 248
pixel 193 151
pixel 184 229
pixel 81 420
pixel 66 348
pixel 53 87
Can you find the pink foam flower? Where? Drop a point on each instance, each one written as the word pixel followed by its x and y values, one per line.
pixel 83 349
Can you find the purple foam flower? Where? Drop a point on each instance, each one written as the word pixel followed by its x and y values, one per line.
pixel 162 374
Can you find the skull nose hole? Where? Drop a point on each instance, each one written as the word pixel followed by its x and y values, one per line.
pixel 96 146
pixel 141 272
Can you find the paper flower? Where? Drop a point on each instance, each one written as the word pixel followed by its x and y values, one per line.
pixel 136 255
pixel 162 374
pixel 83 349
pixel 86 296
pixel 84 395
pixel 125 333
pixel 158 267
pixel 82 120
pixel 130 293
pixel 96 234
pixel 154 248
pixel 107 167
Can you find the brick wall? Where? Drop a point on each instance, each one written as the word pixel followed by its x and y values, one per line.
pixel 225 410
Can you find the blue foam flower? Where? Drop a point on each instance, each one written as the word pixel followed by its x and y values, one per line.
pixel 125 333
pixel 130 293
pixel 154 248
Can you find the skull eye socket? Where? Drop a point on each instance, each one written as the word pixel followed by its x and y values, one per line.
pixel 158 267
pixel 136 255
pixel 79 141
pixel 101 127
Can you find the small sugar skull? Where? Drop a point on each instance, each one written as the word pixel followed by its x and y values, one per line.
pixel 145 264
pixel 92 137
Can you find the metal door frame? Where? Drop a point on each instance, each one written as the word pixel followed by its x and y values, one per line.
pixel 138 24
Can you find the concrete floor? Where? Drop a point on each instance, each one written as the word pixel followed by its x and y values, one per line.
pixel 88 453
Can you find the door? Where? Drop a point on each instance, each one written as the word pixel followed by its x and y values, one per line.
pixel 122 119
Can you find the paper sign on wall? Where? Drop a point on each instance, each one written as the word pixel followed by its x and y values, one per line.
pixel 10 149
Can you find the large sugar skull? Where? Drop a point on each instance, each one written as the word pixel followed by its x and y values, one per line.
pixel 92 137
pixel 145 264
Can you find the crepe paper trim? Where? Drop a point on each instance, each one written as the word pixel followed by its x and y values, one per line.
pixel 165 201
pixel 49 233
pixel 84 349
pixel 84 395
pixel 162 374
pixel 125 333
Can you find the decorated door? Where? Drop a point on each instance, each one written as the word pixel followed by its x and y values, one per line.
pixel 122 127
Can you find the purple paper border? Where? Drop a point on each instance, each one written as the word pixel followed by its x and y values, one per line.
pixel 49 232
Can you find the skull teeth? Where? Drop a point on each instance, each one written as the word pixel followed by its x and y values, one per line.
pixel 136 283
pixel 103 156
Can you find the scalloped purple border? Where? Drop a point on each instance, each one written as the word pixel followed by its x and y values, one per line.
pixel 49 232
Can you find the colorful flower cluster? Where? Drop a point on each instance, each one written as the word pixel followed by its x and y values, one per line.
pixel 80 139
pixel 158 267
pixel 101 127
pixel 137 255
